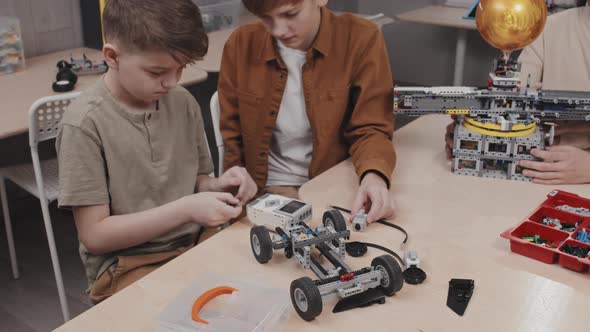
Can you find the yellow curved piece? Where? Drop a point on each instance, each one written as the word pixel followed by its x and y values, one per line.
pixel 206 298
pixel 489 132
pixel 496 127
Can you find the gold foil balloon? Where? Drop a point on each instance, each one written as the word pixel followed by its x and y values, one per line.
pixel 509 25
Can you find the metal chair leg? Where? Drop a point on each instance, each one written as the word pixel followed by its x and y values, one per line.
pixel 8 225
pixel 55 260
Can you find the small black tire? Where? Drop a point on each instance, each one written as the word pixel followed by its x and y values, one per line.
pixel 289 251
pixel 335 219
pixel 306 298
pixel 66 74
pixel 393 277
pixel 261 244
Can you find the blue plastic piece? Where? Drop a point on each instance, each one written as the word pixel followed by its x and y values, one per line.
pixel 583 236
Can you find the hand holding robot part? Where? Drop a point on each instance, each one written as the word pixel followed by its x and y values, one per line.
pixel 238 180
pixel 560 165
pixel 373 196
pixel 210 209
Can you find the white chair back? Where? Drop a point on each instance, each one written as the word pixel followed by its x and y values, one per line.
pixel 215 119
pixel 45 115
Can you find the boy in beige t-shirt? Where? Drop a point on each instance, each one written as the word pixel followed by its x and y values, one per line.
pixel 133 160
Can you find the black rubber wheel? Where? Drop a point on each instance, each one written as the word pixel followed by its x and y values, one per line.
pixel 261 244
pixel 306 298
pixel 66 74
pixel 393 277
pixel 414 275
pixel 335 219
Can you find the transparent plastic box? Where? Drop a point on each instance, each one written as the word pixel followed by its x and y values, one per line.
pixel 218 15
pixel 12 57
pixel 254 307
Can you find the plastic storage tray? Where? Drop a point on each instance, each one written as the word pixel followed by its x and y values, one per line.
pixel 556 239
pixel 254 307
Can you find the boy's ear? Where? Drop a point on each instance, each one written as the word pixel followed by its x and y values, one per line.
pixel 111 55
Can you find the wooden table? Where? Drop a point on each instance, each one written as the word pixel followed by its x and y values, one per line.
pixel 19 90
pixel 446 17
pixel 453 222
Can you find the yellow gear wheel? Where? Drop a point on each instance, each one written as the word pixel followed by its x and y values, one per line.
pixel 498 133
pixel 496 127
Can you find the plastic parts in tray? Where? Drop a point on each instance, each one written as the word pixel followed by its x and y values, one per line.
pixel 556 232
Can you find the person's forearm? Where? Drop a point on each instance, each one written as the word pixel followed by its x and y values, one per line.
pixel 124 231
pixel 206 183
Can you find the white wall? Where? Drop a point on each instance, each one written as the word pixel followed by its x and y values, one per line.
pixel 47 25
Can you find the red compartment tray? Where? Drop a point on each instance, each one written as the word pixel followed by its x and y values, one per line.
pixel 539 223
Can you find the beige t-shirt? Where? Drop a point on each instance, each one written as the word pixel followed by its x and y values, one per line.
pixel 560 56
pixel 133 161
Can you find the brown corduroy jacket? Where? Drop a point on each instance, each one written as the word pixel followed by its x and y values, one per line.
pixel 348 92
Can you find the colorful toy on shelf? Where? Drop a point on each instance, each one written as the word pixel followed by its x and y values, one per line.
pixel 12 57
pixel 539 238
pixel 289 218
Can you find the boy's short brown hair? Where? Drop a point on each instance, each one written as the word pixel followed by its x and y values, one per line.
pixel 174 26
pixel 261 7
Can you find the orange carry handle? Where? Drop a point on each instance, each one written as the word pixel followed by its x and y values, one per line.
pixel 206 298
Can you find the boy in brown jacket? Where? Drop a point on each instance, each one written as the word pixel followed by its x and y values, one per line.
pixel 301 91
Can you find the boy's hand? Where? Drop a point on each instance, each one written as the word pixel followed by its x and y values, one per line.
pixel 211 209
pixel 238 178
pixel 374 197
pixel 560 165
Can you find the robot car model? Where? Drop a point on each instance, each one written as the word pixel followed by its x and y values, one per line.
pixel 289 218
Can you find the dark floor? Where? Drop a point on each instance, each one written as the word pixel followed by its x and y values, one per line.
pixel 31 303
